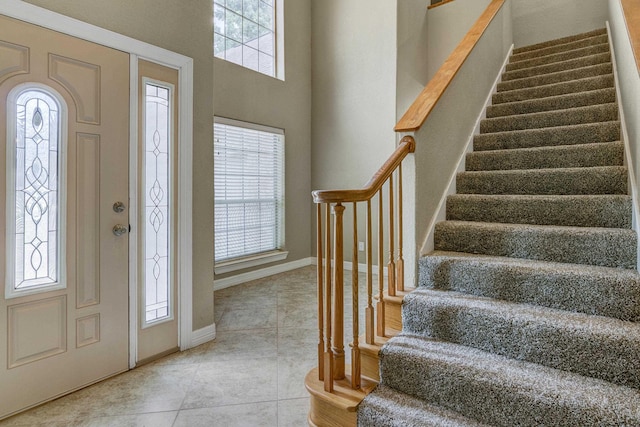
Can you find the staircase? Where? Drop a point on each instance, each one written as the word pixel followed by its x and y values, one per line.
pixel 526 313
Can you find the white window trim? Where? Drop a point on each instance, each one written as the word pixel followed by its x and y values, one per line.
pixel 236 264
pixel 10 290
pixel 254 260
pixel 171 193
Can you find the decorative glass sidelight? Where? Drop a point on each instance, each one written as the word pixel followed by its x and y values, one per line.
pixel 157 197
pixel 35 193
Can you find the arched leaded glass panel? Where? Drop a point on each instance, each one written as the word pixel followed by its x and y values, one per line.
pixel 34 189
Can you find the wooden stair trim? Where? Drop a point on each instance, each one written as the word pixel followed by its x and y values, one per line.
pixel 632 17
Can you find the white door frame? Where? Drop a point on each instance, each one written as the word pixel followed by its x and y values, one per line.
pixel 140 50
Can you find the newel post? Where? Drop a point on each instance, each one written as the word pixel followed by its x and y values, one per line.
pixel 337 339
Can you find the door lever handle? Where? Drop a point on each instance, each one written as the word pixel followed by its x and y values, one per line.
pixel 119 229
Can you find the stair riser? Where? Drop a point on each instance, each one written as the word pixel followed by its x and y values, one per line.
pixel 592 114
pixel 556 67
pixel 564 76
pixel 565 211
pixel 559 57
pixel 588 84
pixel 601 294
pixel 556 42
pixel 484 398
pixel 582 351
pixel 607 180
pixel 584 99
pixel 559 48
pixel 572 156
pixel 570 135
pixel 603 247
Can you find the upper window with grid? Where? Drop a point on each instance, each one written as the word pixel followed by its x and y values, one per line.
pixel 245 33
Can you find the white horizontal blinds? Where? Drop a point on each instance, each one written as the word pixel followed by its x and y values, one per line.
pixel 248 180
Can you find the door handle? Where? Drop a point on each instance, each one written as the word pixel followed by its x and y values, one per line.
pixel 119 229
pixel 118 207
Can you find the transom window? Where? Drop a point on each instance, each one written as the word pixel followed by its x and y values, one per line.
pixel 249 190
pixel 35 177
pixel 245 33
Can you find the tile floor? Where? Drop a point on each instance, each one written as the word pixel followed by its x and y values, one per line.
pixel 251 375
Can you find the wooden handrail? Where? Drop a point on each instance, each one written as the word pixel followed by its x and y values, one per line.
pixel 407 145
pixel 418 112
pixel 632 16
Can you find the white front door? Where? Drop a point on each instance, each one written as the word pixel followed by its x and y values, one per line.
pixel 64 132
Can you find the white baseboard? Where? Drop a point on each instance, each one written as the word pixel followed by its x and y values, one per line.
pixel 203 335
pixel 441 213
pixel 238 279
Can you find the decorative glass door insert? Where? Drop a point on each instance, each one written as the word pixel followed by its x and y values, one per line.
pixel 157 226
pixel 34 183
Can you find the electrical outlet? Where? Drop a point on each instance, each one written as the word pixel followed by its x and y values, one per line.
pixel 361 246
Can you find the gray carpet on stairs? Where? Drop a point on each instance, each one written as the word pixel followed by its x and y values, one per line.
pixel 526 313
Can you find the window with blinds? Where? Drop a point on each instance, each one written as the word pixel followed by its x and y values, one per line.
pixel 249 189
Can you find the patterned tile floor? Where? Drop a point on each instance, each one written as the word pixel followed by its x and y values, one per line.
pixel 251 375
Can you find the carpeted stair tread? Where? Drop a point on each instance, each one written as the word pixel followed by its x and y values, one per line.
pixel 545 119
pixel 566 135
pixel 557 67
pixel 602 291
pixel 595 346
pixel 390 408
pixel 576 44
pixel 500 391
pixel 555 89
pixel 561 156
pixel 607 247
pixel 560 102
pixel 560 41
pixel 584 180
pixel 558 57
pixel 605 211
pixel 557 77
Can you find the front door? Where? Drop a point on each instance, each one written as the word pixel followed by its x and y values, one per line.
pixel 64 132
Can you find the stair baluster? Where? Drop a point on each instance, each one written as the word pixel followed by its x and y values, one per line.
pixel 400 263
pixel 320 279
pixel 380 305
pixel 369 312
pixel 328 358
pixel 391 266
pixel 355 345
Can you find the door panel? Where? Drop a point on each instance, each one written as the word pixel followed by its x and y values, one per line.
pixel 60 340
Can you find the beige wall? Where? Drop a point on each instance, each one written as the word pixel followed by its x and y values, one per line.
pixel 354 79
pixel 242 94
pixel 442 140
pixel 536 21
pixel 446 27
pixel 185 28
